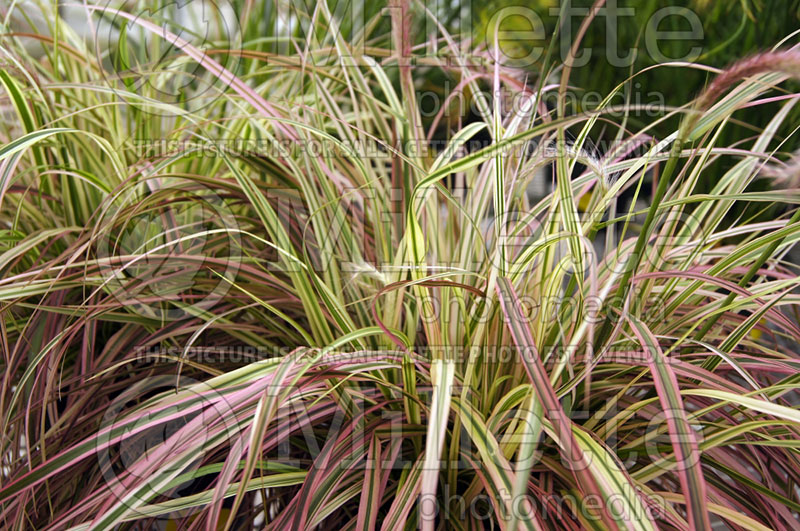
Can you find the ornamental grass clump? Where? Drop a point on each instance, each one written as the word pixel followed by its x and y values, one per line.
pixel 290 297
